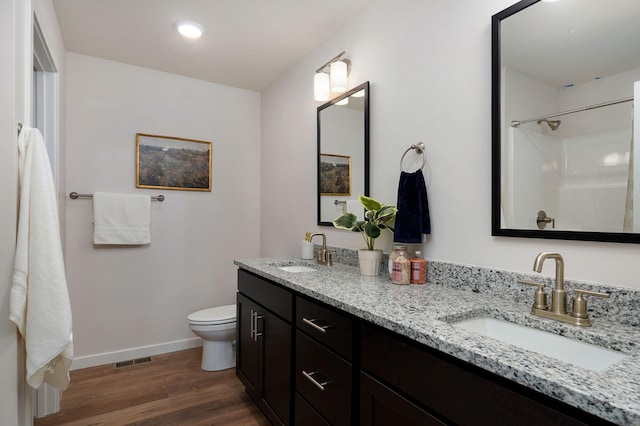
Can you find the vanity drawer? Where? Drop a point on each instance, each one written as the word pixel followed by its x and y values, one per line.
pixel 329 327
pixel 324 380
pixel 305 414
pixel 268 294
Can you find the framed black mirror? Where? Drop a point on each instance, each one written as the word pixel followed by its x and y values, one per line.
pixel 343 153
pixel 564 78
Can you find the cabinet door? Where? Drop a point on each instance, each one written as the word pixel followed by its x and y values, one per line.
pixel 275 336
pixel 379 405
pixel 247 347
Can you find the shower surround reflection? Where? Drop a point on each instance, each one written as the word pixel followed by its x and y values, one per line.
pixel 577 175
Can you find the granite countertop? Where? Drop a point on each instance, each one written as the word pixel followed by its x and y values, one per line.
pixel 424 313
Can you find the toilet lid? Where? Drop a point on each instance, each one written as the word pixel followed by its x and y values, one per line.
pixel 217 315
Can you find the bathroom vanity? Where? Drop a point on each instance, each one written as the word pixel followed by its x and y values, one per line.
pixel 325 345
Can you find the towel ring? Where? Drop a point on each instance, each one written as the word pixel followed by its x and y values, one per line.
pixel 419 148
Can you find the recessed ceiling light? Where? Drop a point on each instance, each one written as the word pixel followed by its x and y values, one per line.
pixel 190 29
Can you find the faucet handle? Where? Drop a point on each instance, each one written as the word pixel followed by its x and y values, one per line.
pixel 579 309
pixel 540 297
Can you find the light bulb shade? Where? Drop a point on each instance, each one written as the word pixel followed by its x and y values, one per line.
pixel 190 29
pixel 321 88
pixel 344 101
pixel 338 71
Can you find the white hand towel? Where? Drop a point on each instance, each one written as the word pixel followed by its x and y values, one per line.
pixel 355 207
pixel 39 303
pixel 121 218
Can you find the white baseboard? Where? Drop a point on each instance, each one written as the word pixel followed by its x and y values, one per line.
pixel 134 353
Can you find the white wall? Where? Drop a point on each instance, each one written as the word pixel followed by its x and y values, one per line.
pixel 124 298
pixel 429 64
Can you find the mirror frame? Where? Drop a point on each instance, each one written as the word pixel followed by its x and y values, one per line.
pixel 364 86
pixel 496 146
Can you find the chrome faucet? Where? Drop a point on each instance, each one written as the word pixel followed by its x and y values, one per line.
pixel 558 309
pixel 324 255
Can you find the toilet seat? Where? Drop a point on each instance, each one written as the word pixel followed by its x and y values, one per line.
pixel 214 316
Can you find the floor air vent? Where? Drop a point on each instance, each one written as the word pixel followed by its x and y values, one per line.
pixel 131 362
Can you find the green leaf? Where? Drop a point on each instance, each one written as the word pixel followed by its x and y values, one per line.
pixel 370 203
pixel 346 221
pixel 386 214
pixel 372 230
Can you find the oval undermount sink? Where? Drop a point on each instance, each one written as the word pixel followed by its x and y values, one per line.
pixel 581 354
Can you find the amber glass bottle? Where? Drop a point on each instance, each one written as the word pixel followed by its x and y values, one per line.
pixel 418 269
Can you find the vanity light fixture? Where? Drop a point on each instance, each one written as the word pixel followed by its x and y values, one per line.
pixel 190 29
pixel 338 76
pixel 335 81
pixel 321 86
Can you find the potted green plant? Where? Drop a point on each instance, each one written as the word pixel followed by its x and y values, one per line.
pixel 377 217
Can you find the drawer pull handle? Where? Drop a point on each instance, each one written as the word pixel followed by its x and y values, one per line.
pixel 317 384
pixel 252 324
pixel 311 322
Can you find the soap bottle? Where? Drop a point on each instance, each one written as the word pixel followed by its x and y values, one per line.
pixel 307 247
pixel 397 248
pixel 418 269
pixel 401 273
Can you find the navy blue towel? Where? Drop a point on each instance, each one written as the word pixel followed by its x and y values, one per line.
pixel 412 219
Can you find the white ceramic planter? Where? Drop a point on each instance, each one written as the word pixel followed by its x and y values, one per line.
pixel 370 261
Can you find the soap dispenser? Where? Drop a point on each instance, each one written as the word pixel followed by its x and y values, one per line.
pixel 307 247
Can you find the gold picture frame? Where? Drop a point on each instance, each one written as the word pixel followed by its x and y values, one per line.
pixel 335 174
pixel 166 162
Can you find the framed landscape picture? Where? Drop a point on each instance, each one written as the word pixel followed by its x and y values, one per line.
pixel 335 174
pixel 172 163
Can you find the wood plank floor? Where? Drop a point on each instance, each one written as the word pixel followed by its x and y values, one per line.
pixel 169 390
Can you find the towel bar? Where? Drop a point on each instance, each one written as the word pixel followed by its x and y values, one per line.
pixel 74 195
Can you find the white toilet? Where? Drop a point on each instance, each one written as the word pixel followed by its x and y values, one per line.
pixel 217 328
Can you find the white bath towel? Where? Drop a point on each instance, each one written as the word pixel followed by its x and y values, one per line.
pixel 121 218
pixel 39 303
pixel 355 207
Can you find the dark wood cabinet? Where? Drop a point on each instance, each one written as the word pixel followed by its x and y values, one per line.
pixel 381 406
pixel 457 392
pixel 306 363
pixel 264 345
pixel 306 415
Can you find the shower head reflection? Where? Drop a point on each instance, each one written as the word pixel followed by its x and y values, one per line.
pixel 553 124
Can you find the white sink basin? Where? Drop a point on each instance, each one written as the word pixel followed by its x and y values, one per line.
pixel 574 352
pixel 297 268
